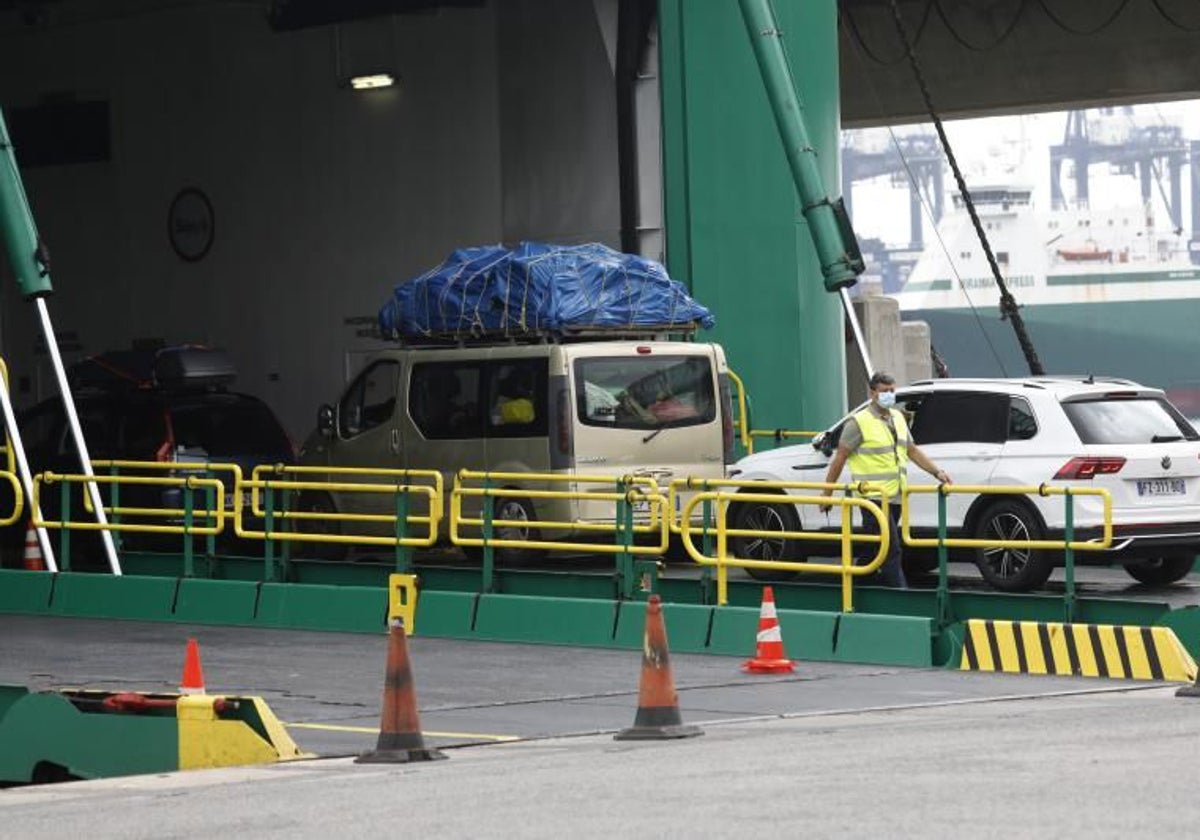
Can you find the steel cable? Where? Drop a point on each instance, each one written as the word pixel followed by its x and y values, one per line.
pixel 928 211
pixel 1008 304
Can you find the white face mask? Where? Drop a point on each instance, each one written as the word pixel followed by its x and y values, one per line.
pixel 887 399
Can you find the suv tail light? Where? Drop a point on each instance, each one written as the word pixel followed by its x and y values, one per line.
pixel 166 449
pixel 1088 468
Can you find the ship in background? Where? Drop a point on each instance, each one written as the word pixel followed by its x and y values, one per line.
pixel 1111 292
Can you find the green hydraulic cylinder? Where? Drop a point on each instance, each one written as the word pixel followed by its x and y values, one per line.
pixel 25 253
pixel 837 248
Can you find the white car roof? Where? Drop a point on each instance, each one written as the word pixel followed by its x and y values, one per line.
pixel 1060 386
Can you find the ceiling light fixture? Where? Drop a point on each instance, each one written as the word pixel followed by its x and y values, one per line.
pixel 375 80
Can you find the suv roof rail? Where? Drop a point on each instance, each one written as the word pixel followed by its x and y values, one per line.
pixel 1090 379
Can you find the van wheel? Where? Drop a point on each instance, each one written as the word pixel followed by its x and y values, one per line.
pixel 767 519
pixel 1161 570
pixel 1011 569
pixel 317 503
pixel 513 509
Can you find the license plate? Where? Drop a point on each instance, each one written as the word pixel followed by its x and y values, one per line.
pixel 1162 487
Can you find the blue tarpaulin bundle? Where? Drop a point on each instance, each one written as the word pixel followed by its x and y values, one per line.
pixel 538 288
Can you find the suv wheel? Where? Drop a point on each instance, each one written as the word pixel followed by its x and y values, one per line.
pixel 1161 570
pixel 1011 569
pixel 767 518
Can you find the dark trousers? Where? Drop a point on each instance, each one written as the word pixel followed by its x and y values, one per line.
pixel 891 573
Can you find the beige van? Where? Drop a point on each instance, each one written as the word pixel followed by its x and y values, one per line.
pixel 650 408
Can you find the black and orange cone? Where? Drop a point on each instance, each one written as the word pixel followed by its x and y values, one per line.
pixel 769 657
pixel 400 739
pixel 658 705
pixel 192 681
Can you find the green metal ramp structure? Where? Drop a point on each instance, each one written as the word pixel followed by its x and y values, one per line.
pixel 888 627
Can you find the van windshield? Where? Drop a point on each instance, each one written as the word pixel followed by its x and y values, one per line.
pixel 644 392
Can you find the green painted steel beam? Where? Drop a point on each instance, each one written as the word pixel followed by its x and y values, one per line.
pixel 736 229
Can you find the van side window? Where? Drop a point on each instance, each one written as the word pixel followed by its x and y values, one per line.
pixel 443 399
pixel 370 400
pixel 644 392
pixel 517 398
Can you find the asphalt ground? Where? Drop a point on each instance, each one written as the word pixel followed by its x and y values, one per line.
pixel 836 750
pixel 327 687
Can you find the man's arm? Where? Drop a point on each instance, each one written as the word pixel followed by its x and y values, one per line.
pixel 924 462
pixel 835 469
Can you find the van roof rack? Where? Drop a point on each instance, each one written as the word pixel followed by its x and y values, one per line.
pixel 564 336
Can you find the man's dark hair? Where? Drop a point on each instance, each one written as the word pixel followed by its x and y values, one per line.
pixel 880 378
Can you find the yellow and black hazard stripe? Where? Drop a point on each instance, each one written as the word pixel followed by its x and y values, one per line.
pixel 1081 650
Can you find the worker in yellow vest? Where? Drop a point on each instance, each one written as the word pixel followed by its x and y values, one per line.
pixel 876 442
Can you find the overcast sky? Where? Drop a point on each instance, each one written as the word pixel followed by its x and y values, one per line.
pixel 1015 150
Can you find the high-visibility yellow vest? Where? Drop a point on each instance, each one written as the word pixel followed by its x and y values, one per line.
pixel 880 458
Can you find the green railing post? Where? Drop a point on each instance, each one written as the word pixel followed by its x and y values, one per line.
pixel 489 553
pixel 943 555
pixel 210 541
pixel 268 526
pixel 64 546
pixel 1069 558
pixel 708 591
pixel 623 520
pixel 115 495
pixel 403 552
pixel 189 561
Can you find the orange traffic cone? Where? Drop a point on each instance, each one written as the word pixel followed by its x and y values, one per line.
pixel 658 705
pixel 769 657
pixel 34 562
pixel 193 675
pixel 400 737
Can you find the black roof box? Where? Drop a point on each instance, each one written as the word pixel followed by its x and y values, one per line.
pixel 186 366
pixel 176 367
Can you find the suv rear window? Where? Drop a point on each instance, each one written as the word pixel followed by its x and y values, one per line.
pixel 1128 420
pixel 237 428
pixel 644 392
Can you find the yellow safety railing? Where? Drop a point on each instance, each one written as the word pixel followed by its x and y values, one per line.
pixel 1105 541
pixel 778 435
pixel 230 503
pixel 18 498
pixel 400 520
pixel 10 468
pixel 639 491
pixel 1068 545
pixel 216 515
pixel 746 435
pixel 846 537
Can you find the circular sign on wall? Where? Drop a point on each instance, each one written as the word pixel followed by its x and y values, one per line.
pixel 190 224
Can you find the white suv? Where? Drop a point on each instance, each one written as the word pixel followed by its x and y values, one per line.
pixel 1109 433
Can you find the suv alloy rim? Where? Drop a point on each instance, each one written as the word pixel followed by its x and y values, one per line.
pixel 764 518
pixel 1007 562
